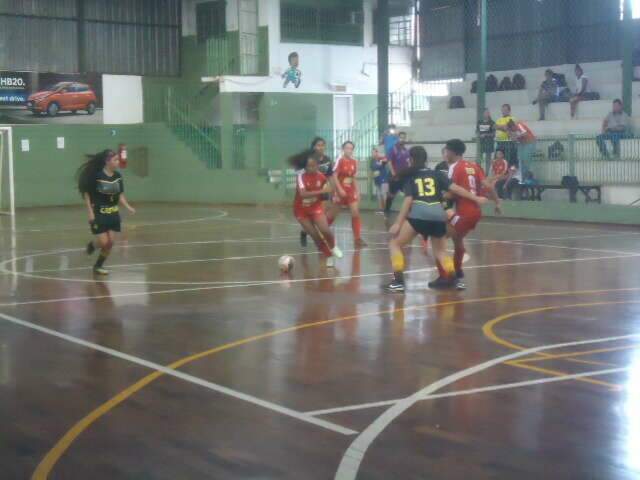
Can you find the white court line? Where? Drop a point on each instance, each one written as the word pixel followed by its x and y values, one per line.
pixel 302 280
pixel 23 274
pixel 194 260
pixel 352 458
pixel 578 237
pixel 221 214
pixel 182 376
pixel 490 388
pixel 559 247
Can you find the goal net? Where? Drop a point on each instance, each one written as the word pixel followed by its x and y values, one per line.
pixel 7 198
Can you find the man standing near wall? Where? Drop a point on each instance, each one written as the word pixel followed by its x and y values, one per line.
pixel 398 161
pixel 502 135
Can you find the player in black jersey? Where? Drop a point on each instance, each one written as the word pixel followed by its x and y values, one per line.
pixel 319 146
pixel 422 214
pixel 102 189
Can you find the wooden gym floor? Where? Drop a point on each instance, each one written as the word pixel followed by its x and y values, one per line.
pixel 197 360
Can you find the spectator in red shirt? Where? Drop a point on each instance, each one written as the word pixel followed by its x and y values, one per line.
pixel 520 133
pixel 499 172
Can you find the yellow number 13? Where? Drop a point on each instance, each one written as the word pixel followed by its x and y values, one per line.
pixel 426 187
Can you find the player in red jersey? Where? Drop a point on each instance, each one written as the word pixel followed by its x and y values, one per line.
pixel 311 186
pixel 346 191
pixel 471 177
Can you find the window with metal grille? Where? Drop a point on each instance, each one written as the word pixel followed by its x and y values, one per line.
pixel 333 22
pixel 210 20
pixel 401 31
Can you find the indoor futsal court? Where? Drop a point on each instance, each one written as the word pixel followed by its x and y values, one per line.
pixel 196 359
pixel 320 240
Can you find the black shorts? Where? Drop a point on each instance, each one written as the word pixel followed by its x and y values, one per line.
pixel 395 186
pixel 428 228
pixel 325 197
pixel 106 223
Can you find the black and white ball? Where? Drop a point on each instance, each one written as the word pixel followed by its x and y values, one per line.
pixel 285 263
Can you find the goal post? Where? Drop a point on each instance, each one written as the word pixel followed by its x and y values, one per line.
pixel 7 186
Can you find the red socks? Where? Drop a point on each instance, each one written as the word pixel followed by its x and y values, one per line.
pixel 356 226
pixel 458 256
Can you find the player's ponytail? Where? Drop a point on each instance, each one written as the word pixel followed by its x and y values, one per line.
pixel 418 161
pixel 86 174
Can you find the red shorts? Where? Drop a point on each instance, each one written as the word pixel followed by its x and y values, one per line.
pixel 312 213
pixel 351 196
pixel 463 223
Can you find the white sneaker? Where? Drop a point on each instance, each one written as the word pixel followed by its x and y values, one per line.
pixel 337 252
pixel 331 262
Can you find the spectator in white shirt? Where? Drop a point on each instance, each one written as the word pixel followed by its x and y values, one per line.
pixel 582 88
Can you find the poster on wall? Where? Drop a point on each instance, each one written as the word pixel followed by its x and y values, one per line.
pixel 292 75
pixel 53 98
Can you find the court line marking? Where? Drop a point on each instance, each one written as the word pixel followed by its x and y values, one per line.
pixel 62 445
pixel 202 260
pixel 558 373
pixel 221 214
pixel 354 455
pixel 488 331
pixel 578 237
pixel 578 354
pixel 289 281
pixel 171 371
pixel 471 391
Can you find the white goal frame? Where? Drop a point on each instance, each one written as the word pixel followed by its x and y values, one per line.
pixel 8 150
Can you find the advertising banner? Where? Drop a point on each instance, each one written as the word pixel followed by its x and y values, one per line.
pixel 50 98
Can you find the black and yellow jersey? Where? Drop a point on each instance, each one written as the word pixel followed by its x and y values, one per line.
pixel 427 188
pixel 106 194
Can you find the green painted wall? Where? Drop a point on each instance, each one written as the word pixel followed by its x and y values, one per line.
pixel 44 176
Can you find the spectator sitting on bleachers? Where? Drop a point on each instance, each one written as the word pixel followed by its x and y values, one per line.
pixel 503 139
pixel 499 172
pixel 615 127
pixel 547 93
pixel 581 91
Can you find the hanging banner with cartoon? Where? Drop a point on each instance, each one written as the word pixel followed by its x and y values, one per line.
pixel 292 75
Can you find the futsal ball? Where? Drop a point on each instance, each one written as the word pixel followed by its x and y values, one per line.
pixel 285 263
pixel 448 265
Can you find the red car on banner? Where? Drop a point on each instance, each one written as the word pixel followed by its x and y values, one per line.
pixel 63 96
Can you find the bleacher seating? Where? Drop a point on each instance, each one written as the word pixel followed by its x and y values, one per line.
pixel 440 123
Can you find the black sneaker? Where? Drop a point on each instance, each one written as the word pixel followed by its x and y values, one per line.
pixel 303 239
pixel 459 274
pixel 90 248
pixel 442 283
pixel 395 287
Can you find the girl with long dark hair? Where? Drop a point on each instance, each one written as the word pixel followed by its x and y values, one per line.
pixel 102 189
pixel 422 213
pixel 346 191
pixel 311 185
pixel 319 147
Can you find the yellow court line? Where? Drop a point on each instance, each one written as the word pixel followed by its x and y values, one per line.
pixel 45 467
pixel 579 354
pixel 488 330
pixel 558 373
